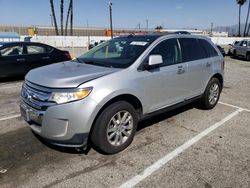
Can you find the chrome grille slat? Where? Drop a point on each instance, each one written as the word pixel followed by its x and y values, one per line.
pixel 36 97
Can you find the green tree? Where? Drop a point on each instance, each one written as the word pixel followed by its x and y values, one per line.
pixel 159 27
pixel 240 3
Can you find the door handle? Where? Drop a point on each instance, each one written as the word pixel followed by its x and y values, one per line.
pixel 208 64
pixel 181 70
pixel 20 60
pixel 45 58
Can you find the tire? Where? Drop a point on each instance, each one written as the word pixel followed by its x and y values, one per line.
pixel 234 54
pixel 212 94
pixel 248 56
pixel 107 135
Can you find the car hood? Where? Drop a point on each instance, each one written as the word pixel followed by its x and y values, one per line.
pixel 67 74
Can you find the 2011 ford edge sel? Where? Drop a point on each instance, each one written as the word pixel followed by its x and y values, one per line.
pixel 101 96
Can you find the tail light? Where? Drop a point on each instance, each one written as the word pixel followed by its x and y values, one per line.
pixel 67 55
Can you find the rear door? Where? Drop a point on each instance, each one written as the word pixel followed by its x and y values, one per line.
pixel 12 60
pixel 199 64
pixel 37 56
pixel 241 48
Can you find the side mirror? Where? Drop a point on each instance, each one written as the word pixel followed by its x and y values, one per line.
pixel 154 60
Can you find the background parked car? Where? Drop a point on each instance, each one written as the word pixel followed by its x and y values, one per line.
pixel 231 49
pixel 222 51
pixel 17 58
pixel 242 50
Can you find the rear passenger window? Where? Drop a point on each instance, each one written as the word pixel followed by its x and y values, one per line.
pixel 35 49
pixel 208 48
pixel 191 49
pixel 169 50
pixel 49 49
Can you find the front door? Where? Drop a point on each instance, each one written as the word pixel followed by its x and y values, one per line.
pixel 165 85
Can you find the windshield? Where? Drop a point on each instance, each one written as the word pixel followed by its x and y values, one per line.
pixel 118 53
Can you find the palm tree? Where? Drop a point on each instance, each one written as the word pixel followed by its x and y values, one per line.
pixel 67 19
pixel 71 19
pixel 240 3
pixel 54 16
pixel 248 11
pixel 62 7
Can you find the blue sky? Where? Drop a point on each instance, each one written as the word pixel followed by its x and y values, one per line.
pixel 127 13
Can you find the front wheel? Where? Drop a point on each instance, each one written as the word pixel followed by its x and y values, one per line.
pixel 212 94
pixel 115 128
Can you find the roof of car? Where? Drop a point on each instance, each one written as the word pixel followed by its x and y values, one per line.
pixel 158 35
pixel 18 42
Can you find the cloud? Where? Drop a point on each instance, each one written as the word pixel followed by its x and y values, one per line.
pixel 179 7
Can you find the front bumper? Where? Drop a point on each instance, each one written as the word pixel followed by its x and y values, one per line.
pixel 64 125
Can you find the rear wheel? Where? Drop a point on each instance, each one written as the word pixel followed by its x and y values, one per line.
pixel 115 128
pixel 248 56
pixel 212 94
pixel 234 53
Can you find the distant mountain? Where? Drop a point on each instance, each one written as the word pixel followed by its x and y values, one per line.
pixel 232 30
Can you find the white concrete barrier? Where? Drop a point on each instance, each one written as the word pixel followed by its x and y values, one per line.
pixel 82 41
pixel 226 40
pixel 69 41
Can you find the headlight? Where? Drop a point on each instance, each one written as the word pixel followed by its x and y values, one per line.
pixel 65 97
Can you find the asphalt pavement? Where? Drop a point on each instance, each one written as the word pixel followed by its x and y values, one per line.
pixel 187 147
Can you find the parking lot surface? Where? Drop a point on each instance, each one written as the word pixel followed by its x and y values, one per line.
pixel 187 147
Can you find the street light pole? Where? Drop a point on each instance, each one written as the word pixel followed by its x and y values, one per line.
pixel 212 25
pixel 110 18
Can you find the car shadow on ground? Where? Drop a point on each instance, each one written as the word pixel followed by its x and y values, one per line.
pixel 11 79
pixel 142 125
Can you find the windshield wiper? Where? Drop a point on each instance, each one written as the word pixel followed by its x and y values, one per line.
pixel 90 62
pixel 78 60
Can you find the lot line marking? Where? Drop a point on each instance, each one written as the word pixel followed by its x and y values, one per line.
pixel 10 117
pixel 233 106
pixel 163 161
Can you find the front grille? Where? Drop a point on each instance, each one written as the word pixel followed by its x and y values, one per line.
pixel 36 97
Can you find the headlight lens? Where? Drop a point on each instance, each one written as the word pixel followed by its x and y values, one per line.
pixel 65 97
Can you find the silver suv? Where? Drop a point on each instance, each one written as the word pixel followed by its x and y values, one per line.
pixel 100 96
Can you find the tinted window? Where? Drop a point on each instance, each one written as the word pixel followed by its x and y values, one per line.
pixel 12 51
pixel 35 49
pixel 49 49
pixel 243 43
pixel 208 48
pixel 191 49
pixel 169 50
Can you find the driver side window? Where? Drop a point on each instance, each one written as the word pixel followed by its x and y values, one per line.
pixel 170 52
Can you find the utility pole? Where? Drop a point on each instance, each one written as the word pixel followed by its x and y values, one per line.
pixel 147 24
pixel 88 33
pixel 110 18
pixel 212 25
pixel 51 20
